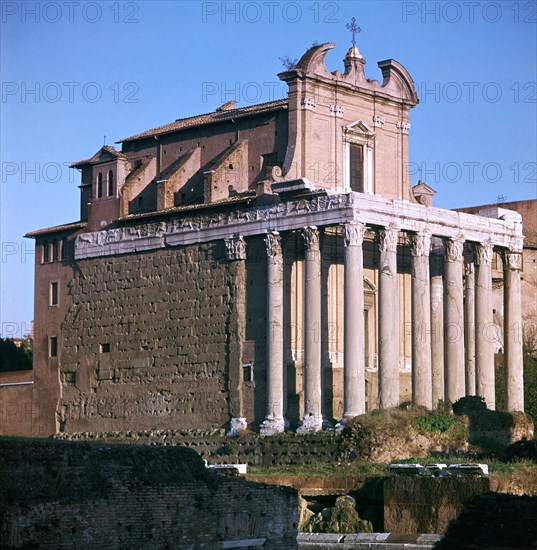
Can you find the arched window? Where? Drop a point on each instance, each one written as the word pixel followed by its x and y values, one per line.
pixel 100 186
pixel 55 250
pixel 65 249
pixel 110 183
pixel 46 252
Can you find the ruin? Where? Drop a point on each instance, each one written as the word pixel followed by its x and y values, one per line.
pixel 272 267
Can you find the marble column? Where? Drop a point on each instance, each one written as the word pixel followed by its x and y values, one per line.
pixel 312 420
pixel 420 245
pixel 274 421
pixel 388 346
pixel 454 320
pixel 437 323
pixel 354 345
pixel 235 255
pixel 513 331
pixel 485 331
pixel 469 320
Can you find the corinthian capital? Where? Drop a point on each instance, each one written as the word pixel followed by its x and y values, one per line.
pixel 483 253
pixel 235 248
pixel 420 244
pixel 311 237
pixel 512 260
pixel 273 244
pixel 454 249
pixel 387 239
pixel 353 233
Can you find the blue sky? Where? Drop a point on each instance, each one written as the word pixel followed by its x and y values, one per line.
pixel 73 72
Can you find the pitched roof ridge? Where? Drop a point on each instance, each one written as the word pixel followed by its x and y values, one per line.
pixel 205 118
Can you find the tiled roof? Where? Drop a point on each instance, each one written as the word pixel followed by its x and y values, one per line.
pixel 242 197
pixel 56 229
pixel 209 118
pixel 108 148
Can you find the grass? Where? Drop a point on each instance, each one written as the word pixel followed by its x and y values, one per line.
pixel 375 469
pixel 353 469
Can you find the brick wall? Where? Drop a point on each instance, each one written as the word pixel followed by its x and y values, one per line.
pixel 81 495
pixel 17 411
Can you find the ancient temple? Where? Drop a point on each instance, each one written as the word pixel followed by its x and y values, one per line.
pixel 269 266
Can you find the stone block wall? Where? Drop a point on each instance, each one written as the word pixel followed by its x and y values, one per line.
pixel 146 341
pixel 58 495
pixel 415 504
pixel 216 448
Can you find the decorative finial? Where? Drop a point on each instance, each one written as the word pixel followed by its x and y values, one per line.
pixel 104 140
pixel 354 28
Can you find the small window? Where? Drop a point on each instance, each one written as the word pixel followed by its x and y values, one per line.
pixel 110 183
pixel 65 249
pixel 55 250
pixel 53 298
pixel 100 186
pixel 53 346
pixel 248 373
pixel 46 252
pixel 104 348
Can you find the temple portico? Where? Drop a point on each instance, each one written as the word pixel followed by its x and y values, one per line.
pixel 449 280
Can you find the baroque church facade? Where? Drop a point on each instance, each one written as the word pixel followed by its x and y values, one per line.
pixel 269 267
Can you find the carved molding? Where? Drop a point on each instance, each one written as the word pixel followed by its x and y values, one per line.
pixel 483 253
pixel 387 239
pixel 379 121
pixel 273 244
pixel 420 244
pixel 337 110
pixel 512 260
pixel 353 233
pixel 308 103
pixel 311 238
pixel 403 126
pixel 235 248
pixel 453 249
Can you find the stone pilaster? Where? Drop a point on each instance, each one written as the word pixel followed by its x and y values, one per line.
pixel 274 420
pixel 421 321
pixel 469 320
pixel 513 331
pixel 388 347
pixel 312 420
pixel 236 254
pixel 437 323
pixel 454 320
pixel 354 345
pixel 485 330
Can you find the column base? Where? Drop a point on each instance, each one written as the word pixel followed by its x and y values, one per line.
pixel 310 424
pixel 272 426
pixel 236 426
pixel 343 422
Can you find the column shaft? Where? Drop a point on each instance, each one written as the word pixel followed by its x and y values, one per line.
pixel 437 326
pixel 388 347
pixel 421 322
pixel 513 332
pixel 454 321
pixel 485 332
pixel 469 324
pixel 354 345
pixel 312 419
pixel 236 333
pixel 274 421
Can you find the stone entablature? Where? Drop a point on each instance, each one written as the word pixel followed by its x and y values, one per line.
pixel 318 210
